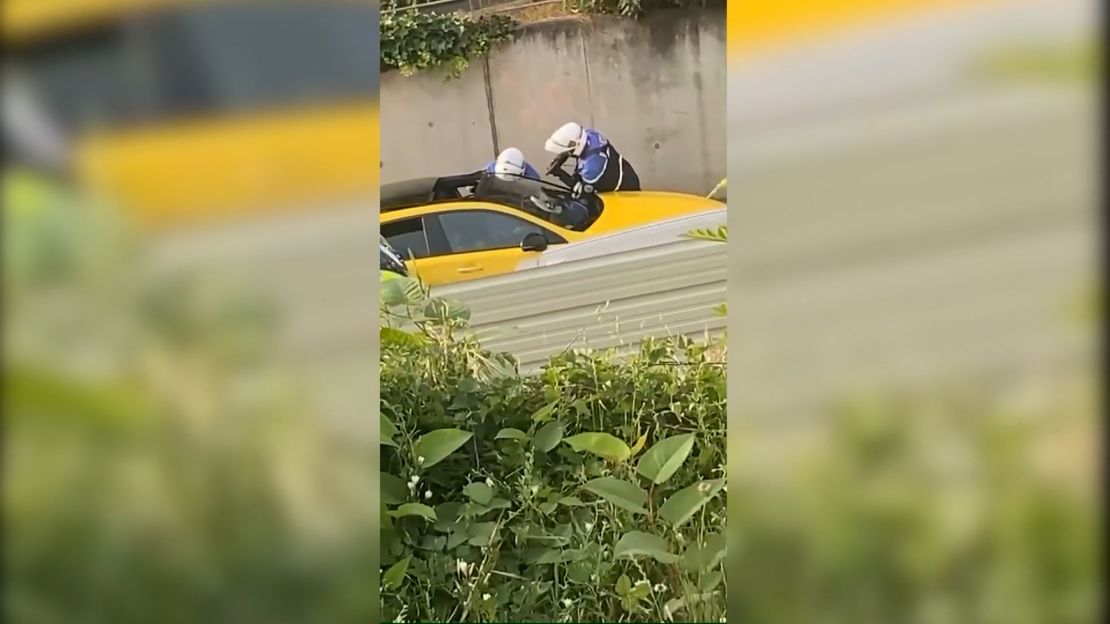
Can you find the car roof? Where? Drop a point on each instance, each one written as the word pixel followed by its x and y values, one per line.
pixel 407 193
pixel 419 192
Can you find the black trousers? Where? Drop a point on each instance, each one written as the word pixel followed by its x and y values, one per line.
pixel 629 180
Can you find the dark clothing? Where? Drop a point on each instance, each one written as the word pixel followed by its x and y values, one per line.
pixel 601 167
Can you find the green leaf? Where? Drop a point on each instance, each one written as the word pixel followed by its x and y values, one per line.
pixel 510 433
pixel 683 504
pixel 600 444
pixel 394 490
pixel 396 574
pixel 400 337
pixel 401 291
pixel 479 492
pixel 548 556
pixel 414 509
pixel 435 446
pixel 621 493
pixel 675 605
pixel 447 516
pixel 544 413
pixel 498 503
pixel 571 501
pixel 720 185
pixel 639 544
pixel 480 533
pixel 641 590
pixel 699 557
pixel 624 585
pixel 392 293
pixel 548 436
pixel 662 460
pixel 639 445
pixel 443 309
pixel 716 235
pixel 581 407
pixel 388 430
pixel 580 572
pixel 456 539
pixel 710 581
pixel 568 555
pixel 385 519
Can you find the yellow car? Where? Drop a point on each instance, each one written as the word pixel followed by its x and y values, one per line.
pixel 192 111
pixel 458 228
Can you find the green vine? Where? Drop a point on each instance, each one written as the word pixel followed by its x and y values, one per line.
pixel 413 40
pixel 633 8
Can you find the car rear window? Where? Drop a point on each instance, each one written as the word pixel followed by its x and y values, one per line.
pixel 408 237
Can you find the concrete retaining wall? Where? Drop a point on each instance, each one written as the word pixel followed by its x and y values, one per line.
pixel 654 86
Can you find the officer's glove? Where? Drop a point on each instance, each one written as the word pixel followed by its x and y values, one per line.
pixel 557 163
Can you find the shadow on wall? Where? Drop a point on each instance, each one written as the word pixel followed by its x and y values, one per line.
pixel 654 86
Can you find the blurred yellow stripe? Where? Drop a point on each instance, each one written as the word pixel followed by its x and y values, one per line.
pixel 757 24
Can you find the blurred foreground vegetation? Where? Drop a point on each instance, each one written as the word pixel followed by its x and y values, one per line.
pixel 944 509
pixel 161 464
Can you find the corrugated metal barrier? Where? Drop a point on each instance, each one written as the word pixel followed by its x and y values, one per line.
pixel 599 303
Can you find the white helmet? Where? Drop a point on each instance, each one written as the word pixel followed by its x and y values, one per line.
pixel 569 138
pixel 509 164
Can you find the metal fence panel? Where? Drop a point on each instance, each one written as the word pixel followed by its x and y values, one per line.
pixel 608 302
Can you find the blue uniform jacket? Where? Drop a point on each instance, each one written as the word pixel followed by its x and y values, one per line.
pixel 594 159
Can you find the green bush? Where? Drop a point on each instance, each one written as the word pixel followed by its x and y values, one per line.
pixel 950 507
pixel 592 491
pixel 414 40
pixel 633 8
pixel 161 463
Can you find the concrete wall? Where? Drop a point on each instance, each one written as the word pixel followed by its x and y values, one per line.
pixel 654 86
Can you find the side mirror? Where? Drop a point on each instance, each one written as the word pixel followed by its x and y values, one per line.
pixel 533 241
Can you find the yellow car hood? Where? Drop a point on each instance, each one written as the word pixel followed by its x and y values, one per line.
pixel 633 208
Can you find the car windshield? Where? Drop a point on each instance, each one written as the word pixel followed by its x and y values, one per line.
pixel 547 201
pixel 517 190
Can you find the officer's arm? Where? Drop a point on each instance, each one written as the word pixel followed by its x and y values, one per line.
pixel 564 176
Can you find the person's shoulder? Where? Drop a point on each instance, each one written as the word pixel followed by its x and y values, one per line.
pixel 595 138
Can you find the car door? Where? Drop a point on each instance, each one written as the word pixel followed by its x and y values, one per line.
pixel 479 243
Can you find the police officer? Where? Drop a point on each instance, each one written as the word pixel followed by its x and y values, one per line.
pixel 510 164
pixel 599 167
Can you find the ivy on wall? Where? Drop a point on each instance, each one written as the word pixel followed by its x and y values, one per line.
pixel 413 40
pixel 633 8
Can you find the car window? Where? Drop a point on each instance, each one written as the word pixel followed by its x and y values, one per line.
pixel 84 81
pixel 478 230
pixel 407 237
